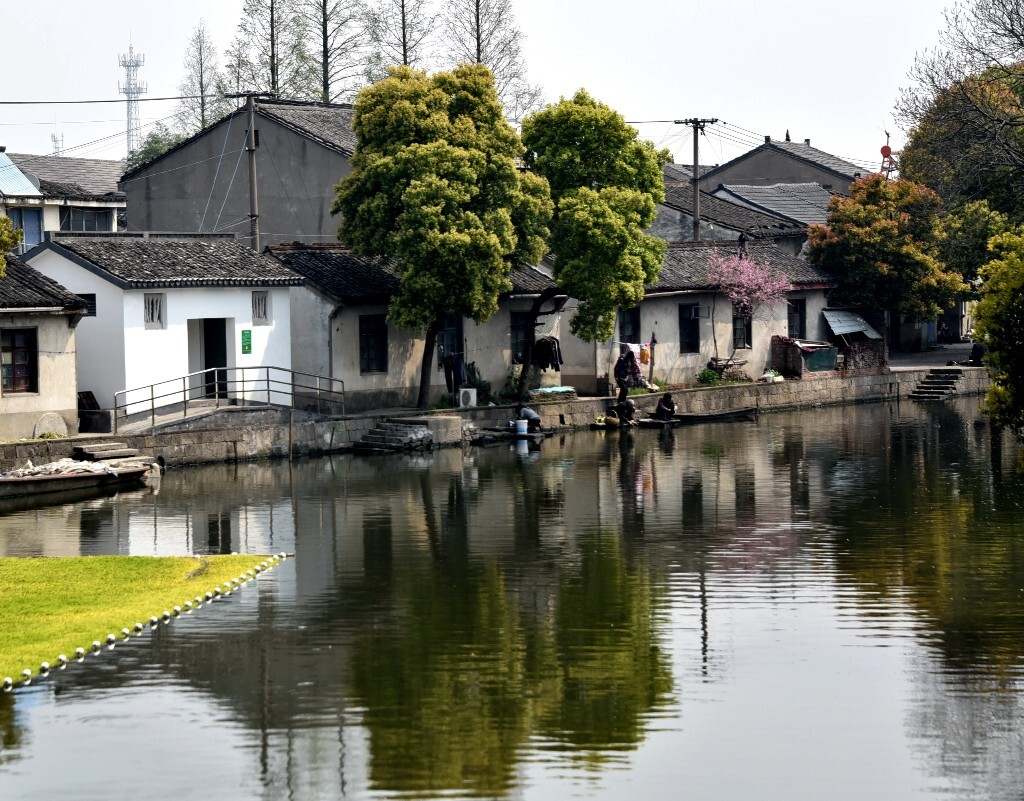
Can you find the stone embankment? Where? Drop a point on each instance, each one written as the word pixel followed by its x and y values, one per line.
pixel 240 434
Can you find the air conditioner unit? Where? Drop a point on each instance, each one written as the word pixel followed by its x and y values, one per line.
pixel 467 397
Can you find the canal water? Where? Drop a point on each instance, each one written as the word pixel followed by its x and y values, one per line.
pixel 819 605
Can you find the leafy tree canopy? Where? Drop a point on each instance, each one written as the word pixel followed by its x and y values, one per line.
pixel 606 184
pixel 157 142
pixel 435 187
pixel 999 323
pixel 967 143
pixel 883 245
pixel 968 232
pixel 9 239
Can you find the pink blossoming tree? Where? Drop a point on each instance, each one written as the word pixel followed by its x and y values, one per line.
pixel 749 284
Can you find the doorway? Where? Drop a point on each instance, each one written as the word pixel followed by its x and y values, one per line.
pixel 215 355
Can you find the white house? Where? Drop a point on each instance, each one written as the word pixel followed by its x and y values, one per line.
pixel 37 340
pixel 694 323
pixel 342 329
pixel 161 307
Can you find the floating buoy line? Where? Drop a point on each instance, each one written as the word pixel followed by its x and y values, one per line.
pixel 165 617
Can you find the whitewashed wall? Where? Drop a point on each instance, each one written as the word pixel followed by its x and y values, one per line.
pixel 100 339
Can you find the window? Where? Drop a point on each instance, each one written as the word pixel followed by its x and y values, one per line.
pixel 449 338
pixel 798 319
pixel 154 311
pixel 72 219
pixel 261 308
pixel 689 328
pixel 373 343
pixel 90 303
pixel 30 221
pixel 629 325
pixel 742 331
pixel 520 330
pixel 20 360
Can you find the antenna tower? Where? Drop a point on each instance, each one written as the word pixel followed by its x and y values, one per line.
pixel 58 143
pixel 131 89
pixel 888 162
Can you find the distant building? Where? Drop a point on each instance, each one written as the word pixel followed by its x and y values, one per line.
pixel 806 204
pixel 55 193
pixel 776 162
pixel 723 220
pixel 201 185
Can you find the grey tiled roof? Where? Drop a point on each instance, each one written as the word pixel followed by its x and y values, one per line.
pixel 688 265
pixel 329 123
pixel 683 172
pixel 134 262
pixel 754 223
pixel 25 288
pixel 803 152
pixel 805 203
pixel 93 176
pixel 336 272
pixel 353 280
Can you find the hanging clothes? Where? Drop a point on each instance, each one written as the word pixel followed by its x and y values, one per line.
pixel 547 352
pixel 645 354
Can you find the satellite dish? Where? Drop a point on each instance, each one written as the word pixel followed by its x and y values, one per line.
pixel 886 151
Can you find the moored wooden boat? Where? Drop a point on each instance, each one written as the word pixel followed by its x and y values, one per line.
pixel 689 418
pixel 31 485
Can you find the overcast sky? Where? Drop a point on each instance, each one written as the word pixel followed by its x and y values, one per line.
pixel 826 70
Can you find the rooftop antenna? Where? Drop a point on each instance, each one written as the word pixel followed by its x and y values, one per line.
pixel 132 89
pixel 57 142
pixel 888 162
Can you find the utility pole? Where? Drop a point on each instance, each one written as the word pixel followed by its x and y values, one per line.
pixel 698 127
pixel 250 147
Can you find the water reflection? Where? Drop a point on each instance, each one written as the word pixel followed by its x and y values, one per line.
pixel 787 601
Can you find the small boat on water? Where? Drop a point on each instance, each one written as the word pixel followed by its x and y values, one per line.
pixel 745 413
pixel 67 475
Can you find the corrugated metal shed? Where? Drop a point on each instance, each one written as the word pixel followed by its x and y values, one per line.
pixel 847 322
pixel 13 180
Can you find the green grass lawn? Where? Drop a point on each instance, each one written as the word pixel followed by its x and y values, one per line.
pixel 52 606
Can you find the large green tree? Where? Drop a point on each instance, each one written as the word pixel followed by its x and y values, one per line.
pixel 435 188
pixel 883 245
pixel 9 239
pixel 999 323
pixel 606 184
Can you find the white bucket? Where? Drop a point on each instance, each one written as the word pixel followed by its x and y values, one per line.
pixel 522 426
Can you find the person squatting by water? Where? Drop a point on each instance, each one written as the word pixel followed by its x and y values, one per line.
pixel 530 416
pixel 666 408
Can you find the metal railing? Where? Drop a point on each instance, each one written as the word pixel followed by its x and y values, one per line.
pixel 231 386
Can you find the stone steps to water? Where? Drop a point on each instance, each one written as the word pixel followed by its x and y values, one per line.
pixel 939 384
pixel 104 452
pixel 395 437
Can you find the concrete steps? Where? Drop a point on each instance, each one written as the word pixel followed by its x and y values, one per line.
pixel 389 437
pixel 103 452
pixel 939 384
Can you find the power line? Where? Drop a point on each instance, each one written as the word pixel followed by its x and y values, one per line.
pixel 87 102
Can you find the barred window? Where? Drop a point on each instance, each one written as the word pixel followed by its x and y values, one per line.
pixel 20 353
pixel 154 313
pixel 261 308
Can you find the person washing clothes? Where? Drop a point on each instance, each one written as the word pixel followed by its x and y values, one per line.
pixel 530 416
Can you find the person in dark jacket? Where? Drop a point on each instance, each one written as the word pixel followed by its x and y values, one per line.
pixel 666 408
pixel 621 374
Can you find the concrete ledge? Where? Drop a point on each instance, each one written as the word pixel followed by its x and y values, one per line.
pixel 239 434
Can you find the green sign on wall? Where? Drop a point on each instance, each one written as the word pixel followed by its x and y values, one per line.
pixel 246 340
